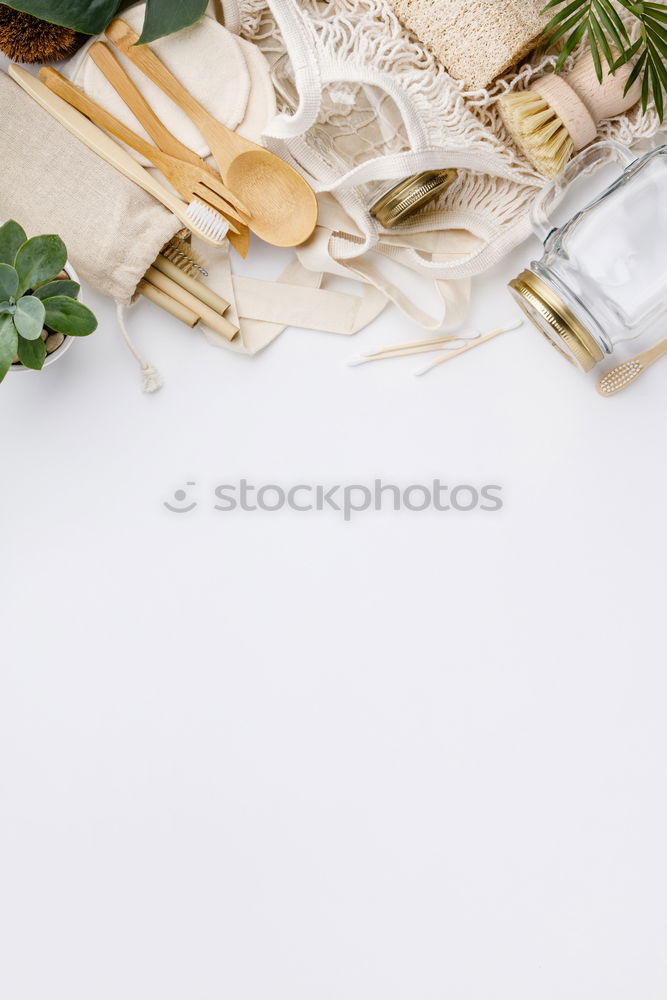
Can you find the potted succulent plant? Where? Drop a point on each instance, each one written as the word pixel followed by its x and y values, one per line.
pixel 39 307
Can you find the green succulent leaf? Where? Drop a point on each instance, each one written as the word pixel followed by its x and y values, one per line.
pixel 29 317
pixel 39 260
pixel 69 288
pixel 32 353
pixel 9 282
pixel 9 339
pixel 67 316
pixel 12 236
pixel 166 18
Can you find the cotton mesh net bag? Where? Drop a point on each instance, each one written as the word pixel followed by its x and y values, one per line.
pixel 364 103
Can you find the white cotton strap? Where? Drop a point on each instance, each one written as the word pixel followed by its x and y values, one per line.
pixel 308 308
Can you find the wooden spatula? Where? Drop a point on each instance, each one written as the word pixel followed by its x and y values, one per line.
pixel 283 206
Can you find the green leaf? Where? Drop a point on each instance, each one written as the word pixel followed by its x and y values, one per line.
pixel 595 52
pixel 602 40
pixel 12 236
pixel 571 45
pixel 88 16
pixel 32 353
pixel 9 340
pixel 164 17
pixel 29 317
pixel 9 282
pixel 613 23
pixel 657 92
pixel 39 260
pixel 69 288
pixel 69 317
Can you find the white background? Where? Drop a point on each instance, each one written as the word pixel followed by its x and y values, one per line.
pixel 283 757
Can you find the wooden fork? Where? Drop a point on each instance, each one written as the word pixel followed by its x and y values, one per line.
pixel 127 90
pixel 192 182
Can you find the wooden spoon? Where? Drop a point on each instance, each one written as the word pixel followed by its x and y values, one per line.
pixel 282 203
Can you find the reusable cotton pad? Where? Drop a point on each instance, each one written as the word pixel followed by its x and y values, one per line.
pixel 262 100
pixel 475 39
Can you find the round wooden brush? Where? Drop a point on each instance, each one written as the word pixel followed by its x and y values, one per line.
pixel 558 116
pixel 28 39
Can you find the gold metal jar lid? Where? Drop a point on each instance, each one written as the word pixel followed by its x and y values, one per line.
pixel 556 320
pixel 409 195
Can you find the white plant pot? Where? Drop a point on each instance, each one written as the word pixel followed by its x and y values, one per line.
pixel 66 344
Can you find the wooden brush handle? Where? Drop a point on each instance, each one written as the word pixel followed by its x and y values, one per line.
pixel 91 109
pixel 127 90
pixel 582 102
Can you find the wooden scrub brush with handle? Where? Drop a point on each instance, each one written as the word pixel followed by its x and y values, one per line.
pixel 558 116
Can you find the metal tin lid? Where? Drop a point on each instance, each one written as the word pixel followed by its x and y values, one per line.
pixel 409 195
pixel 556 321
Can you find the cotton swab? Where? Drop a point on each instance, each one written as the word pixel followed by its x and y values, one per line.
pixel 415 347
pixel 469 347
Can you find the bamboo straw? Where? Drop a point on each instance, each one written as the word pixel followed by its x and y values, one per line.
pixel 164 301
pixel 207 315
pixel 196 288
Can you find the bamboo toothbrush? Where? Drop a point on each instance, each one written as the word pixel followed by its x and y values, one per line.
pixel 190 181
pixel 197 217
pixel 558 116
pixel 624 375
pixel 124 85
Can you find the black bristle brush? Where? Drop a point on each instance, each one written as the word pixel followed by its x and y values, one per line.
pixel 28 39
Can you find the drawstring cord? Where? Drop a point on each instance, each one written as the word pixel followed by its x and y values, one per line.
pixel 152 377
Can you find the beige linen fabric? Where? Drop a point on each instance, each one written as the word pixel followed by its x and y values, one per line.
pixel 51 183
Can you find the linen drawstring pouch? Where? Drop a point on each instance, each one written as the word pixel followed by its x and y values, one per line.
pixel 52 183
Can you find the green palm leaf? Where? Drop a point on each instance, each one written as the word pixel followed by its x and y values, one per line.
pixel 600 23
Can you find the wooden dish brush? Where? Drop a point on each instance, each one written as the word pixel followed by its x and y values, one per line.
pixel 558 116
pixel 28 39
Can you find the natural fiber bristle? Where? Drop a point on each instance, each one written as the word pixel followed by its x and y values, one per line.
pixel 28 39
pixel 180 252
pixel 538 131
pixel 620 377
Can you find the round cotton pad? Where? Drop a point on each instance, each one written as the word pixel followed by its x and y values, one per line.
pixel 262 101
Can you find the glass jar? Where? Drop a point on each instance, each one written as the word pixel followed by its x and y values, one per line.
pixel 603 278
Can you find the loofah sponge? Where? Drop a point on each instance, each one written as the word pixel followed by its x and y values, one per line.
pixel 25 38
pixel 475 39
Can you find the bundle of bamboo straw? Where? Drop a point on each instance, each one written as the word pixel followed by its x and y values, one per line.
pixel 188 300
